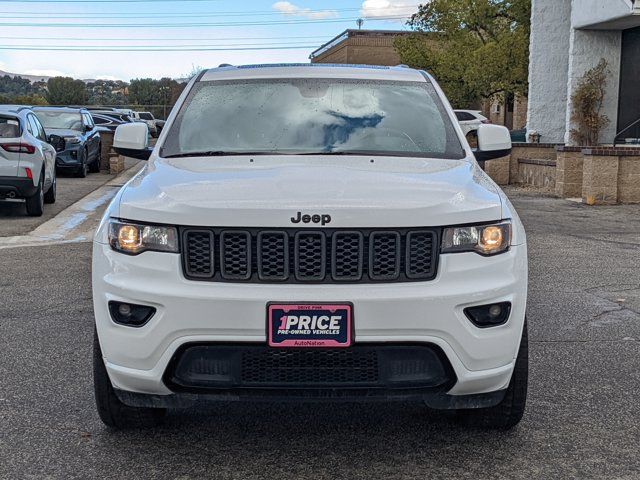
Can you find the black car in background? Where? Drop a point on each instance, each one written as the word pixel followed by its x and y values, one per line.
pixel 109 120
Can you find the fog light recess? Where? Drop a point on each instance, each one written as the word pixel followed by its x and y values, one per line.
pixel 486 316
pixel 129 314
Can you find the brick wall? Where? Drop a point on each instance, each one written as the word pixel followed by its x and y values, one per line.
pixel 362 49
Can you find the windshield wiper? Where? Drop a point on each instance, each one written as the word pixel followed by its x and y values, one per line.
pixel 342 152
pixel 223 153
pixel 208 153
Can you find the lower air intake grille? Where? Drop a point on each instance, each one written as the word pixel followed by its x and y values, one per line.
pixel 300 367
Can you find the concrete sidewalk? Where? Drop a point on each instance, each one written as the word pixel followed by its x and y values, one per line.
pixel 13 214
pixel 75 223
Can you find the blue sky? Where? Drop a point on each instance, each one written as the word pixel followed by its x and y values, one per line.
pixel 285 31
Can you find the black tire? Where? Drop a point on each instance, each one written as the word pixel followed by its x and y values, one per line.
pixel 35 203
pixel 50 196
pixel 112 411
pixel 508 413
pixel 82 169
pixel 94 167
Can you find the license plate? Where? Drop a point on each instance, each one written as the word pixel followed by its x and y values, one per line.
pixel 309 325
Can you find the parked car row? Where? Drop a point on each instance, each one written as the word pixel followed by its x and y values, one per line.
pixel 38 142
pixel 111 118
pixel 27 159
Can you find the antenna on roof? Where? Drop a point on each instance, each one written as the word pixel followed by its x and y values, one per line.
pixel 360 22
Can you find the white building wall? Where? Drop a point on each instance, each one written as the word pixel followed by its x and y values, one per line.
pixel 590 12
pixel 548 68
pixel 586 48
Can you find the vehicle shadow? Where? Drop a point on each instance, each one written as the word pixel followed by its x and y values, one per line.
pixel 315 440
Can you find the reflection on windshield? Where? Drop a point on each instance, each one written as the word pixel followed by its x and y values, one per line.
pixel 314 116
pixel 70 121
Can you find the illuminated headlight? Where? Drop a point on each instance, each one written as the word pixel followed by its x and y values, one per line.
pixel 72 140
pixel 132 238
pixel 483 239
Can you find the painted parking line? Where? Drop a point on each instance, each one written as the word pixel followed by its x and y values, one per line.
pixel 76 223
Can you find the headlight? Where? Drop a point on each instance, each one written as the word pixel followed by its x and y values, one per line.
pixel 72 140
pixel 132 238
pixel 483 239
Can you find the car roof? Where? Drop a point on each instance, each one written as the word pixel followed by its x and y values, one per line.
pixel 60 109
pixel 13 109
pixel 313 70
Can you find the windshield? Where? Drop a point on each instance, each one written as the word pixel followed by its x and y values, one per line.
pixel 323 116
pixel 70 121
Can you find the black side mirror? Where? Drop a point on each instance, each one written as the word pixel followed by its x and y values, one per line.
pixel 142 154
pixel 57 142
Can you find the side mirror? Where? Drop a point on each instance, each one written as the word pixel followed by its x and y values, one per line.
pixel 494 141
pixel 132 140
pixel 87 128
pixel 57 142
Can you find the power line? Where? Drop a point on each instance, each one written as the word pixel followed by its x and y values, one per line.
pixel 128 15
pixel 106 1
pixel 190 25
pixel 144 39
pixel 154 46
pixel 169 14
pixel 169 49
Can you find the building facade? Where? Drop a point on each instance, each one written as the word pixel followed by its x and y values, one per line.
pixel 361 47
pixel 569 37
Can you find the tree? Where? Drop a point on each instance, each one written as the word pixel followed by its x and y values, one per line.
pixel 586 103
pixel 66 91
pixel 157 96
pixel 475 48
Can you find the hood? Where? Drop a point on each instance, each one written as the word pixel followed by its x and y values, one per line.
pixel 63 132
pixel 267 191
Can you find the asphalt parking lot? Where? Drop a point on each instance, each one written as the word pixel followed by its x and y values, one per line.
pixel 582 419
pixel 13 214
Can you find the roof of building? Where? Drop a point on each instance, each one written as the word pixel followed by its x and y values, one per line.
pixel 313 70
pixel 352 32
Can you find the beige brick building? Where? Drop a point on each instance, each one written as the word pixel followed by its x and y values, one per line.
pixel 363 47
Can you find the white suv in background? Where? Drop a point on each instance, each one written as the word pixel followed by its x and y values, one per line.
pixel 311 232
pixel 27 161
pixel 470 120
pixel 149 119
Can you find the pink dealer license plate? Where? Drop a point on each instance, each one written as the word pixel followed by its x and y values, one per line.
pixel 309 325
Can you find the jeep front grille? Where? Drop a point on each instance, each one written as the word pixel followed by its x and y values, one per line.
pixel 309 256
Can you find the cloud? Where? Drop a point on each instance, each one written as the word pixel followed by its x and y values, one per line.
pixel 401 9
pixel 288 8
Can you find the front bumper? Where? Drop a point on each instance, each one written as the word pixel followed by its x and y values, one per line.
pixel 428 313
pixel 17 187
pixel 69 158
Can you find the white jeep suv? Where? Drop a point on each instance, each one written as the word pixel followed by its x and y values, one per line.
pixel 27 161
pixel 311 232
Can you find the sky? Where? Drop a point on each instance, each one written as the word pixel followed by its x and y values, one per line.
pixel 68 37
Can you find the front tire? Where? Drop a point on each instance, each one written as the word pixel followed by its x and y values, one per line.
pixel 35 203
pixel 112 411
pixel 82 169
pixel 508 413
pixel 50 196
pixel 94 167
